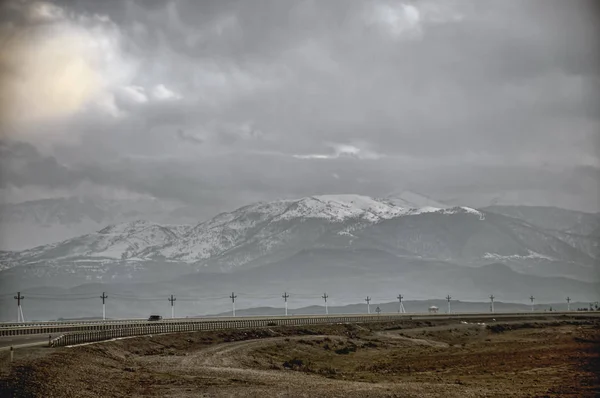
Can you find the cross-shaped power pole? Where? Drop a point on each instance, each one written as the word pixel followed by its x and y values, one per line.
pixel 324 297
pixel 368 300
pixel 492 303
pixel 20 317
pixel 233 297
pixel 448 298
pixel 568 303
pixel 172 300
pixel 532 304
pixel 103 297
pixel 401 309
pixel 285 297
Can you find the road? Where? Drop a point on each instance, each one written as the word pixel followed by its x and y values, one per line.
pixel 37 333
pixel 23 341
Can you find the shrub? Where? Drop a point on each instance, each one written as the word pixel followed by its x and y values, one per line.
pixel 345 350
pixel 293 363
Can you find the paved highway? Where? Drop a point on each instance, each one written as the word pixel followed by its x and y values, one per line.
pixel 23 341
pixel 37 333
pixel 14 325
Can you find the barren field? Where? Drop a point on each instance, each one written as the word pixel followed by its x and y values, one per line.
pixel 403 359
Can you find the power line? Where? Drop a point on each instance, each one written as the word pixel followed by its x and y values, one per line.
pixel 103 297
pixel 285 297
pixel 61 298
pixel 172 300
pixel 141 299
pixel 233 297
pixel 20 317
pixel 401 309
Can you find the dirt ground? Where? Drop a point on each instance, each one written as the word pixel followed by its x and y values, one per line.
pixel 403 359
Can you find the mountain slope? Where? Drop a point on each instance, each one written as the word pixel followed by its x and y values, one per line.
pixel 265 233
pixel 578 229
pixel 116 242
pixel 460 235
pixel 552 218
pixel 33 223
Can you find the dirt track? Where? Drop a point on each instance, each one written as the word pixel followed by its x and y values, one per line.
pixel 405 360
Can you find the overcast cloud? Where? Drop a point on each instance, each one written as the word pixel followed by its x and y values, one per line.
pixel 221 103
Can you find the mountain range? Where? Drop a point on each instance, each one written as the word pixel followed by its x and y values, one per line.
pixel 38 222
pixel 339 243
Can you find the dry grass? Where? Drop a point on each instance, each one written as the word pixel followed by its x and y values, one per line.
pixel 412 359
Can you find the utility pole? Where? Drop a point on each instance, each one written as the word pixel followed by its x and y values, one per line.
pixel 20 317
pixel 285 297
pixel 103 297
pixel 448 298
pixel 378 310
pixel 492 303
pixel 324 297
pixel 172 300
pixel 233 297
pixel 532 304
pixel 368 300
pixel 568 303
pixel 401 309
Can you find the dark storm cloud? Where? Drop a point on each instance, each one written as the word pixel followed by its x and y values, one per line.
pixel 448 97
pixel 21 164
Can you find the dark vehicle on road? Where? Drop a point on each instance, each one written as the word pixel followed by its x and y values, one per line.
pixel 155 318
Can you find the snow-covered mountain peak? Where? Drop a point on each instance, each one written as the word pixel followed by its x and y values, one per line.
pixel 341 207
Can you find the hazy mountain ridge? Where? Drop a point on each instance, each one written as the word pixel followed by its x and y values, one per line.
pixel 578 229
pixel 347 278
pixel 552 218
pixel 33 223
pixel 264 233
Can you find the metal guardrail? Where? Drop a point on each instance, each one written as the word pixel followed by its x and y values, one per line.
pixel 158 328
pixel 83 327
pixel 53 328
pixel 4 325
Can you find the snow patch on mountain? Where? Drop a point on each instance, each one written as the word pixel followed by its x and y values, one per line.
pixel 530 255
pixel 116 242
pixel 447 211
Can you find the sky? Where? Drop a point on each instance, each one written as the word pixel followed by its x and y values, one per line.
pixel 220 103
